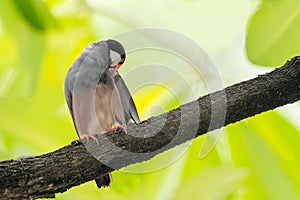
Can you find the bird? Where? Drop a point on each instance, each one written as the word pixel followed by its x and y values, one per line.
pixel 97 96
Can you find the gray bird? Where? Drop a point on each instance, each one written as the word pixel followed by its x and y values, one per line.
pixel 96 94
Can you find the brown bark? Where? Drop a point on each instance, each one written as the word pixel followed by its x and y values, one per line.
pixel 54 172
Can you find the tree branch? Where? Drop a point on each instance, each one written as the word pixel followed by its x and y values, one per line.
pixel 43 176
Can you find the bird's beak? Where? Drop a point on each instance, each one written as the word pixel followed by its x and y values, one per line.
pixel 116 67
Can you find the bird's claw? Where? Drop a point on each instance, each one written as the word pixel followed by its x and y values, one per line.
pixel 118 127
pixel 88 136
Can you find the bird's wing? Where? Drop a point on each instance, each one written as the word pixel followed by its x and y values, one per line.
pixel 81 84
pixel 127 101
pixel 68 96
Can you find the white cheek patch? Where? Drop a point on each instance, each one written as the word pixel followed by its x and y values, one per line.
pixel 114 57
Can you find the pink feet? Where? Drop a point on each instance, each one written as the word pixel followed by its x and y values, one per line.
pixel 122 126
pixel 93 135
pixel 88 136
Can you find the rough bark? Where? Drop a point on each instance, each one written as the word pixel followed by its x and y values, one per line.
pixel 54 172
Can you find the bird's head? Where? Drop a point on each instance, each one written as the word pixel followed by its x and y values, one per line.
pixel 117 54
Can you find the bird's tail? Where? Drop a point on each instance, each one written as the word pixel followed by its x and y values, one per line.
pixel 104 180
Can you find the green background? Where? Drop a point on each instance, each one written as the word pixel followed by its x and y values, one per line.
pixel 257 158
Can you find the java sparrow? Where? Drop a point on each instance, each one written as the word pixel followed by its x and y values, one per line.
pixel 96 94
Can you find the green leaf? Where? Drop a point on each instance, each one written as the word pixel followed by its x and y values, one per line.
pixel 35 13
pixel 29 50
pixel 273 33
pixel 212 183
pixel 267 151
pixel 282 138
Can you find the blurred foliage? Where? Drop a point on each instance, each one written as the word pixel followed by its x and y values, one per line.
pixel 273 33
pixel 254 159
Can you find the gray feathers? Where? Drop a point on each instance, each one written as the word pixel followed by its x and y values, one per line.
pixel 96 95
pixel 127 101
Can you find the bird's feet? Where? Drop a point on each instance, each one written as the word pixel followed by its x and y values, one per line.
pixel 88 136
pixel 118 127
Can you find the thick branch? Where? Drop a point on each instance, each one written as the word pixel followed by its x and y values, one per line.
pixel 54 172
